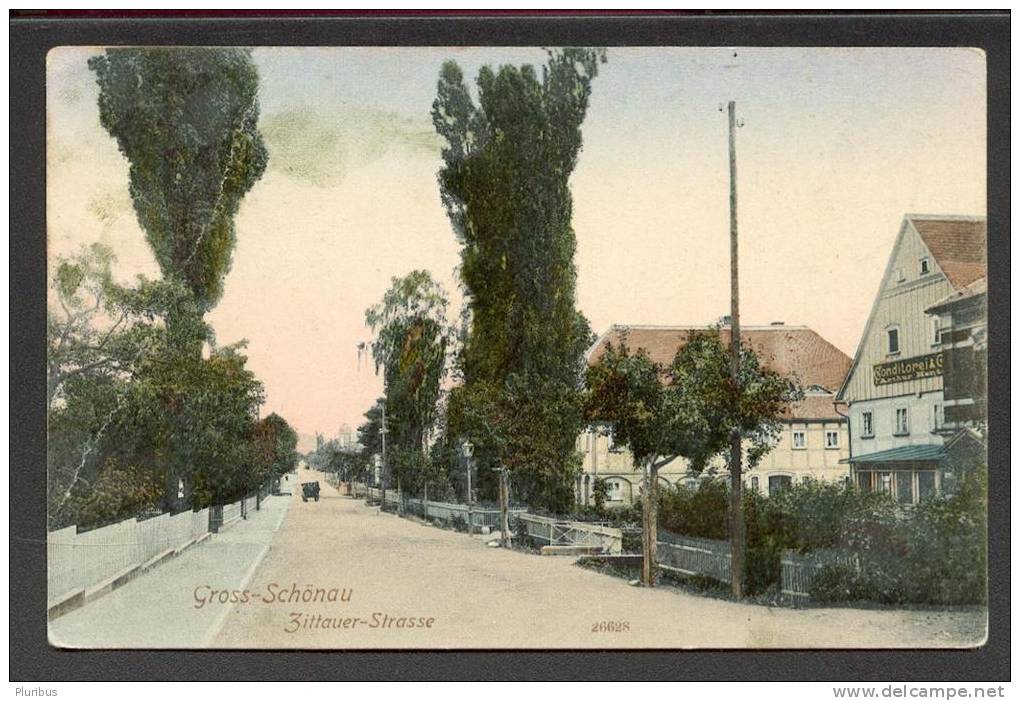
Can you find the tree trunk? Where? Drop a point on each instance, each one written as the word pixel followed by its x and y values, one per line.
pixel 504 509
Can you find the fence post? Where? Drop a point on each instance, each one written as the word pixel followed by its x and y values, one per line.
pixel 504 509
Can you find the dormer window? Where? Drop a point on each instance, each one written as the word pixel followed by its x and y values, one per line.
pixel 925 266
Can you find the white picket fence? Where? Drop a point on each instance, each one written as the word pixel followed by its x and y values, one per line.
pixel 77 562
pixel 694 556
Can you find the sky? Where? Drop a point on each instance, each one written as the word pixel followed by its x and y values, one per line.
pixel 836 146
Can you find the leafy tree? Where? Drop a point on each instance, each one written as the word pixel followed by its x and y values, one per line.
pixel 275 444
pixel 411 340
pixel 186 120
pixel 100 336
pixel 687 410
pixel 505 186
pixel 370 432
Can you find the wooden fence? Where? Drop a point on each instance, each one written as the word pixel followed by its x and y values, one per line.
pixel 77 562
pixel 439 510
pixel 694 556
pixel 800 569
pixel 549 530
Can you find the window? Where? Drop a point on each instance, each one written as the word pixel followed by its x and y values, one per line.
pixel 936 331
pixel 925 484
pixel 908 486
pixel 936 416
pixel 799 441
pixel 831 439
pixel 905 487
pixel 867 425
pixel 883 482
pixel 902 426
pixel 893 335
pixel 778 483
pixel 925 266
pixel 754 484
pixel 864 481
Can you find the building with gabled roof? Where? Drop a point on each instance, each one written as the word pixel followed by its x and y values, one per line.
pixel 814 440
pixel 895 388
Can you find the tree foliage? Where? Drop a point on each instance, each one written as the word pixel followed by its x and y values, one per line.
pixel 505 186
pixel 128 391
pixel 186 120
pixel 411 340
pixel 275 444
pixel 690 408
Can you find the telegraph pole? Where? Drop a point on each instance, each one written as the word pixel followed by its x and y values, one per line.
pixel 382 432
pixel 736 483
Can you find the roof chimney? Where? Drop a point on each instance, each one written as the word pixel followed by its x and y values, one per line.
pixel 778 323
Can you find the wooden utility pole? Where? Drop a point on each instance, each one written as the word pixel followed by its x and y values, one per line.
pixel 504 508
pixel 649 527
pixel 736 483
pixel 382 432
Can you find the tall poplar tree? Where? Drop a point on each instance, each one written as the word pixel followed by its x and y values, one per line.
pixel 505 186
pixel 186 120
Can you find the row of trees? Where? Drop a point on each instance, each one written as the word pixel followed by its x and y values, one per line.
pixel 520 389
pixel 516 357
pixel 145 410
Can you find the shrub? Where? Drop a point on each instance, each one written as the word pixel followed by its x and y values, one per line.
pixel 122 491
pixel 698 511
pixel 521 538
pixel 932 553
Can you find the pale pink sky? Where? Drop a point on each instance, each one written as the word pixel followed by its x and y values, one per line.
pixel 838 145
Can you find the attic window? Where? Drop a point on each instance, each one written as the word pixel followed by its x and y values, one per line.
pixel 925 266
pixel 893 335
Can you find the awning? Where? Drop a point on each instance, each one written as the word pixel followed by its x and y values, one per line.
pixel 906 453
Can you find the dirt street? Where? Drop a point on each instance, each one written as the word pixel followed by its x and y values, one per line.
pixel 340 574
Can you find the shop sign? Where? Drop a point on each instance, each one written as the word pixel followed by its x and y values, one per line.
pixel 909 369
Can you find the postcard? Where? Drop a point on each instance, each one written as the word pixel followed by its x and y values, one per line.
pixel 516 348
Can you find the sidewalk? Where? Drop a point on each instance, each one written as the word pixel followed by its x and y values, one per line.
pixel 158 609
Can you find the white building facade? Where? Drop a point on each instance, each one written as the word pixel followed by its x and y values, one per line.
pixel 894 390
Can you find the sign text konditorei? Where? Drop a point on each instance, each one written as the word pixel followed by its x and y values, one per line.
pixel 909 369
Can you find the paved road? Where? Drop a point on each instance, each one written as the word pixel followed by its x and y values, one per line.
pixel 158 609
pixel 387 574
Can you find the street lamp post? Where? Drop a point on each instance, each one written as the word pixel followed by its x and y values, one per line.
pixel 468 450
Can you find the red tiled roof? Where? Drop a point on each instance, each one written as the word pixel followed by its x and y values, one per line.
pixel 788 350
pixel 959 245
